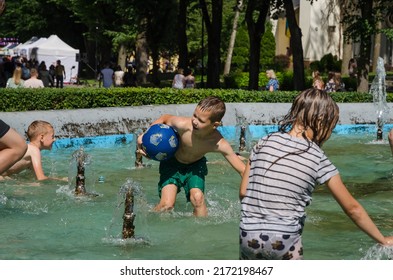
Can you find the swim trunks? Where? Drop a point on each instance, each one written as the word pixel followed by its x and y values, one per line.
pixel 255 245
pixel 186 176
pixel 3 128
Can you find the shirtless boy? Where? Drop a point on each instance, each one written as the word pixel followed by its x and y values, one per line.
pixel 198 135
pixel 41 136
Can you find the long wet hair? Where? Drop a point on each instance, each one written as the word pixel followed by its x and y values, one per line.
pixel 215 105
pixel 314 109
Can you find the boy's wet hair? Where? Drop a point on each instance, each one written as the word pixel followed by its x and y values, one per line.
pixel 314 109
pixel 214 105
pixel 37 128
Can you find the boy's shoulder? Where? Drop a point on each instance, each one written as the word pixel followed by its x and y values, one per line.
pixel 32 149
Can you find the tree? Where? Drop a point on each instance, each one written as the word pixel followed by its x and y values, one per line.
pixel 296 46
pixel 362 18
pixel 255 32
pixel 213 23
pixel 237 9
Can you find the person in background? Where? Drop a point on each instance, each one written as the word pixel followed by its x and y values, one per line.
pixel 52 73
pixel 34 82
pixel 331 83
pixel 340 86
pixel 283 170
pixel 44 75
pixel 12 147
pixel 178 80
pixel 41 137
pixel 189 80
pixel 317 80
pixel 60 74
pixel 352 68
pixel 16 80
pixel 107 76
pixel 272 84
pixel 119 76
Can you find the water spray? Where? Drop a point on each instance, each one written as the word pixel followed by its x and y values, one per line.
pixel 129 216
pixel 82 159
pixel 378 91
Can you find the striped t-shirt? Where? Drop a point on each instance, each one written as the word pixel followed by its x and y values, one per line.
pixel 281 181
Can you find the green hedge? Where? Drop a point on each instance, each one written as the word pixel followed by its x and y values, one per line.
pixel 76 98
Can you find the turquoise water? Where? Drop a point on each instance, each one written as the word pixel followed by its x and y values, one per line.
pixel 46 221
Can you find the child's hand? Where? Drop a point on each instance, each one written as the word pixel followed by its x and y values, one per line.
pixel 388 241
pixel 142 152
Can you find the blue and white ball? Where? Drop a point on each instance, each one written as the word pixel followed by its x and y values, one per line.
pixel 160 142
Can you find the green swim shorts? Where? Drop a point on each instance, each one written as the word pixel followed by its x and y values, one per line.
pixel 186 176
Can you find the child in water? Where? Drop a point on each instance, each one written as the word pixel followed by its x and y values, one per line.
pixel 283 170
pixel 41 135
pixel 198 135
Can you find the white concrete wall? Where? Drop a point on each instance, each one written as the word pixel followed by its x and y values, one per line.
pixel 125 120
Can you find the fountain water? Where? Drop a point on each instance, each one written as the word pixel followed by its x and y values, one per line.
pixel 82 159
pixel 378 90
pixel 129 216
pixel 243 133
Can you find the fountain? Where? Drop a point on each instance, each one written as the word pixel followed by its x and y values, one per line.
pixel 129 216
pixel 82 159
pixel 378 91
pixel 242 131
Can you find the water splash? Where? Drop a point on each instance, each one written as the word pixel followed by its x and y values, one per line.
pixel 82 159
pixel 242 132
pixel 378 252
pixel 378 91
pixel 129 193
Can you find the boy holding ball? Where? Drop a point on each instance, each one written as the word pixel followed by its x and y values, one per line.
pixel 198 135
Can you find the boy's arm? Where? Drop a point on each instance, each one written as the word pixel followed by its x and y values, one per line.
pixel 227 151
pixel 37 164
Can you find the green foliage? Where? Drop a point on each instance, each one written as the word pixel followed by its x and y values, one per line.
pixel 268 50
pixel 78 98
pixel 240 57
pixel 327 63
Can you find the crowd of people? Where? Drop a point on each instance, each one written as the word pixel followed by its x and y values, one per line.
pixel 18 72
pixel 183 79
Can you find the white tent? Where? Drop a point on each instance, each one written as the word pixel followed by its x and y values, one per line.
pixel 54 49
pixel 27 48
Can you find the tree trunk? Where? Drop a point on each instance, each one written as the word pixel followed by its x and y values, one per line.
pixel 121 57
pixel 365 48
pixel 213 28
pixel 296 46
pixel 377 47
pixel 347 55
pixel 255 32
pixel 232 40
pixel 347 43
pixel 182 35
pixel 141 57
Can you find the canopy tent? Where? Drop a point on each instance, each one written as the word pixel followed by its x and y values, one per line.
pixel 9 49
pixel 26 49
pixel 54 49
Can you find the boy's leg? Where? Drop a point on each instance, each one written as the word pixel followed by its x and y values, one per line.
pixel 197 199
pixel 168 198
